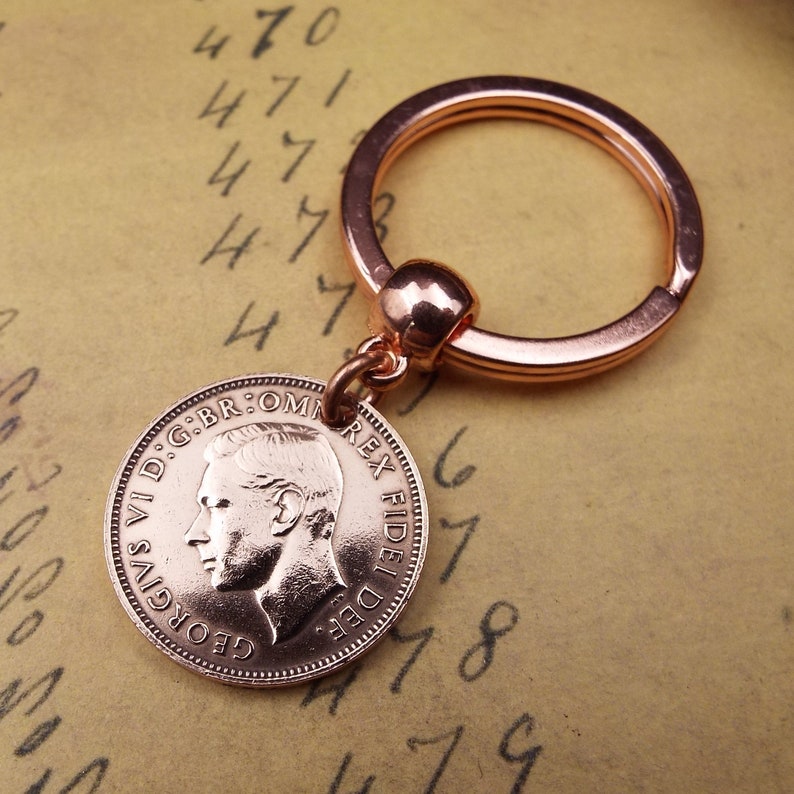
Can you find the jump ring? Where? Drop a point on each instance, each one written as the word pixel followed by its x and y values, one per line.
pixel 338 406
pixel 376 379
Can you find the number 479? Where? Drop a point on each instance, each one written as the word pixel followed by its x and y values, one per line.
pixel 449 741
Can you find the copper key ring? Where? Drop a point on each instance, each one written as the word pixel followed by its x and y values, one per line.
pixel 625 138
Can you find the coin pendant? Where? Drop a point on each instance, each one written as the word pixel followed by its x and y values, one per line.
pixel 253 544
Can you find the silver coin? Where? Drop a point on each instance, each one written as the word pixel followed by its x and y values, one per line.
pixel 253 544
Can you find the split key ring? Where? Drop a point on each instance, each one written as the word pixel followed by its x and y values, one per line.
pixel 630 142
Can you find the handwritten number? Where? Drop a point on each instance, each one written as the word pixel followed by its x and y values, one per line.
pixel 8 427
pixel 261 332
pixel 307 147
pixel 460 476
pixel 53 568
pixel 470 525
pixel 38 736
pixel 235 251
pixel 340 776
pixel 484 649
pixel 98 767
pixel 23 382
pixel 7 316
pixel 4 480
pixel 291 83
pixel 28 626
pixel 213 48
pixel 526 758
pixel 265 43
pixel 323 27
pixel 224 111
pixel 38 485
pixel 449 740
pixel 454 735
pixel 347 291
pixel 14 536
pixel 9 699
pixel 228 180
pixel 421 638
pixel 337 88
pixel 320 216
pixel 385 201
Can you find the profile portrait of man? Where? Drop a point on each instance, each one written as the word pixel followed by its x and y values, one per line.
pixel 268 503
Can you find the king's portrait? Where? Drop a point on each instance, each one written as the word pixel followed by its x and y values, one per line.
pixel 267 507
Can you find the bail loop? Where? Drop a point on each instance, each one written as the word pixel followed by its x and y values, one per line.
pixel 422 306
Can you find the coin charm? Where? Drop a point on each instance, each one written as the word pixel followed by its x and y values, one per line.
pixel 253 544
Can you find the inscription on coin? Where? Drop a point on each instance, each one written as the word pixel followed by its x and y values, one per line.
pixel 255 545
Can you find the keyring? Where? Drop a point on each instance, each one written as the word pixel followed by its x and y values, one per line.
pixel 631 143
pixel 269 529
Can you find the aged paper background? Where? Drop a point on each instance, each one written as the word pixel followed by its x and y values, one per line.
pixel 619 617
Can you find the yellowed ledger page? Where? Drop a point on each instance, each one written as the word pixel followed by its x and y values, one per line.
pixel 607 599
